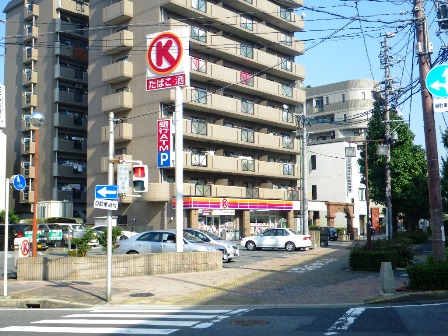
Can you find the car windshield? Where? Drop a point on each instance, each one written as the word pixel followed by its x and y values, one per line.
pixel 214 236
pixel 54 227
pixel 192 239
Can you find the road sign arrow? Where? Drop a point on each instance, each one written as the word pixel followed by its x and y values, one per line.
pixel 104 192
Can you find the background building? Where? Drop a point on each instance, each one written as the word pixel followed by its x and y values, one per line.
pixel 339 115
pixel 240 154
pixel 46 70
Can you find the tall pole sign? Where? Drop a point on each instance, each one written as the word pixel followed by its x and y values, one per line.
pixel 168 62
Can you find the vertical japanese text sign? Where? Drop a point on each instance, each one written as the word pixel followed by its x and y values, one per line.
pixel 164 143
pixel 168 59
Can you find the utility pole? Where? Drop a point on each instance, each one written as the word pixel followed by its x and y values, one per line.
pixel 435 194
pixel 304 174
pixel 387 86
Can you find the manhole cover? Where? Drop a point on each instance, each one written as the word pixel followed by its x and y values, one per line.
pixel 141 295
pixel 249 323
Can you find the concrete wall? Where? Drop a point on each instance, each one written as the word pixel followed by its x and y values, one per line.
pixel 90 268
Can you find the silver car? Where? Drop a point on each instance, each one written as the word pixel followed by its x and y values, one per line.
pixel 162 241
pixel 232 249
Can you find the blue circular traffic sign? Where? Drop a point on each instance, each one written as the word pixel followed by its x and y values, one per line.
pixel 437 81
pixel 19 182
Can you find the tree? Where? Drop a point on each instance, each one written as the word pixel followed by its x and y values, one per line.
pixel 408 166
pixel 13 217
pixel 444 177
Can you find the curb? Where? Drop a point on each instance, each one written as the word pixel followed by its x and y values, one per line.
pixel 41 303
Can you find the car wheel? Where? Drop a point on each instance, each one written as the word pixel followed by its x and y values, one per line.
pixel 132 252
pixel 290 247
pixel 250 245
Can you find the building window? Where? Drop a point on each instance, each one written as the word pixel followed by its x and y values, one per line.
pixel 285 39
pixel 200 5
pixel 198 34
pixel 313 162
pixel 362 194
pixel 246 50
pixel 246 78
pixel 247 23
pixel 343 97
pixel 288 169
pixel 287 141
pixel 198 64
pixel 199 95
pixel 247 165
pixel 363 94
pixel 286 90
pixel 287 114
pixel 314 192
pixel 247 134
pixel 327 101
pixel 198 126
pixel 285 13
pixel 286 64
pixel 247 106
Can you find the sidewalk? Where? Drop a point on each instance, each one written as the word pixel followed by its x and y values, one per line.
pixel 319 276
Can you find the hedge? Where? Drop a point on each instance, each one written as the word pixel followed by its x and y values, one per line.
pixel 428 276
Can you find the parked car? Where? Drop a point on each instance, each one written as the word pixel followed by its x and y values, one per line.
pixel 327 233
pixel 161 241
pixel 76 230
pixel 40 235
pixel 231 248
pixel 124 233
pixel 53 234
pixel 280 238
pixel 13 232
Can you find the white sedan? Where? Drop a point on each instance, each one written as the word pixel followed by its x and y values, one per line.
pixel 277 238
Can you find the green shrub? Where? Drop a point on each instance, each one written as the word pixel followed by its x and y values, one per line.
pixel 102 237
pixel 400 252
pixel 340 231
pixel 82 244
pixel 430 258
pixel 428 276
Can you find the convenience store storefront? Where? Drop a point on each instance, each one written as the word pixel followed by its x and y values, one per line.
pixel 244 215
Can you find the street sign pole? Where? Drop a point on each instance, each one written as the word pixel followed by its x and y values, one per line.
pixel 5 267
pixel 179 173
pixel 110 181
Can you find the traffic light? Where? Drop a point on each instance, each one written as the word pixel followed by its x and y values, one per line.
pixel 140 178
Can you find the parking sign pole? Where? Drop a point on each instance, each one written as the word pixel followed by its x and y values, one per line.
pixel 5 267
pixel 110 181
pixel 179 169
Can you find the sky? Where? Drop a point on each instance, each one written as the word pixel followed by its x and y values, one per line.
pixel 342 42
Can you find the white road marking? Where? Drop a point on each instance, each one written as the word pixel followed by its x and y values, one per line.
pixel 195 317
pixel 311 267
pixel 131 322
pixel 195 311
pixel 345 321
pixel 90 331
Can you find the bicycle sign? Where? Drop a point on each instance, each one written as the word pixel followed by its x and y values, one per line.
pixel 19 182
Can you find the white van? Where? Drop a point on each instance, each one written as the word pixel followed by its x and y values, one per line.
pixel 76 231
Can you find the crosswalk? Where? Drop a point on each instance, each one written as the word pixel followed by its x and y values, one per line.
pixel 126 322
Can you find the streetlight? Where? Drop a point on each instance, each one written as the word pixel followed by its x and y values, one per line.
pixel 36 119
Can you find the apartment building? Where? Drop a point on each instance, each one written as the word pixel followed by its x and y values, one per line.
pixel 338 115
pixel 240 153
pixel 46 71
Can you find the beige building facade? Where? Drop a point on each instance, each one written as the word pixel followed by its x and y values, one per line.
pixel 240 154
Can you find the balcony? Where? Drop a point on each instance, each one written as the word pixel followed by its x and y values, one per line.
pixel 223 76
pixel 74 52
pixel 239 166
pixel 76 7
pixel 218 134
pixel 105 162
pixel 118 12
pixel 223 47
pixel 28 101
pixel 75 30
pixel 122 132
pixel 28 172
pixel 118 42
pixel 27 196
pixel 29 11
pixel 70 146
pixel 117 72
pixel 76 99
pixel 233 23
pixel 28 148
pixel 230 107
pixel 73 75
pixel 26 125
pixel 29 78
pixel 117 102
pixel 74 121
pixel 269 12
pixel 29 55
pixel 29 33
pixel 73 195
pixel 69 171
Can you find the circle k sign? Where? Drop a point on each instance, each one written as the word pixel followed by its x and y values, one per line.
pixel 166 50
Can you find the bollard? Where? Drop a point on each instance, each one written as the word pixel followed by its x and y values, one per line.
pixel 387 278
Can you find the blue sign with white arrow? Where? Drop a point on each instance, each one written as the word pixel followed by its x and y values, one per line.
pixel 437 80
pixel 19 182
pixel 106 192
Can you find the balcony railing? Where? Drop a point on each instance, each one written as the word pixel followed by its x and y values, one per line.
pixel 202 190
pixel 288 169
pixel 198 160
pixel 252 193
pixel 247 165
pixel 198 127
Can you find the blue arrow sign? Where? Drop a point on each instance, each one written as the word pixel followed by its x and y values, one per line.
pixel 106 192
pixel 437 80
pixel 19 182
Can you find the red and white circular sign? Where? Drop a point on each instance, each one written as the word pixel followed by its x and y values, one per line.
pixel 164 53
pixel 25 248
pixel 224 203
